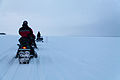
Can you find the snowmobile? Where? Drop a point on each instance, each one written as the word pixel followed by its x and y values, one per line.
pixel 39 39
pixel 25 51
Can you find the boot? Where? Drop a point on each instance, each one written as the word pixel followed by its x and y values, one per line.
pixel 16 56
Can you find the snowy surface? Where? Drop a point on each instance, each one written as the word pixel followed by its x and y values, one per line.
pixel 63 58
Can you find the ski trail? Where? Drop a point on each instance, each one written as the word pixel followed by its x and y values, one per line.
pixel 47 68
pixel 37 68
pixel 11 72
pixel 8 52
pixel 6 65
pixel 60 64
pixel 34 70
pixel 23 72
pixel 41 62
pixel 56 68
pixel 4 71
pixel 38 61
pixel 27 71
pixel 54 61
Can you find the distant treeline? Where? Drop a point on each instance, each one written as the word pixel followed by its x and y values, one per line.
pixel 2 33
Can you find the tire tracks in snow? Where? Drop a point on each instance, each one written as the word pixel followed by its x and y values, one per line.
pixel 59 73
pixel 11 71
pixel 51 70
pixel 6 66
pixel 7 61
pixel 7 52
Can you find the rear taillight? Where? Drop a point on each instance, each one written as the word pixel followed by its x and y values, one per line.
pixel 24 47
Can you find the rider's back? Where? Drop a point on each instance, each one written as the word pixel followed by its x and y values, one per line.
pixel 25 31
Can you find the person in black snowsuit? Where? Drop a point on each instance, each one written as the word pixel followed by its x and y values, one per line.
pixel 39 37
pixel 27 32
pixel 38 34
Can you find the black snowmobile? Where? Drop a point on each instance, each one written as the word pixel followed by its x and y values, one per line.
pixel 25 51
pixel 39 39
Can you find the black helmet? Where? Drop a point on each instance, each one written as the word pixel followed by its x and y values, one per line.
pixel 25 23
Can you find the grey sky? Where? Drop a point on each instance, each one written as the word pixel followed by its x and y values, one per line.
pixel 62 17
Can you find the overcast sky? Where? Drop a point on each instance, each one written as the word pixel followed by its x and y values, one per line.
pixel 62 17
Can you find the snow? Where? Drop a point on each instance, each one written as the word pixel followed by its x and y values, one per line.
pixel 63 58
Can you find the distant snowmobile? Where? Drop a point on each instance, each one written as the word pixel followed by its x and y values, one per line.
pixel 39 39
pixel 25 51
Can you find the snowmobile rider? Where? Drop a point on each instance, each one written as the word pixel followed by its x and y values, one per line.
pixel 39 37
pixel 38 34
pixel 26 31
